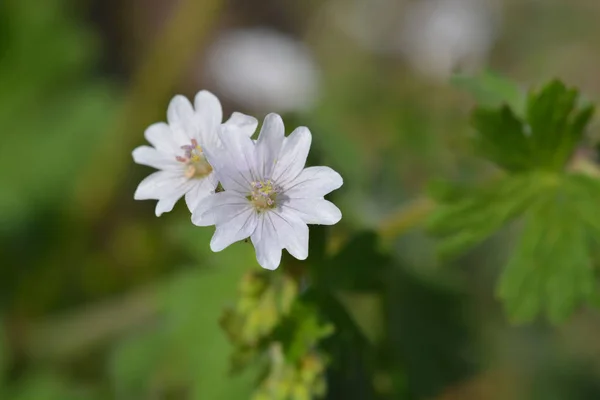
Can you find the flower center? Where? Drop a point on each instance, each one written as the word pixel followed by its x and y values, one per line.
pixel 263 195
pixel 196 164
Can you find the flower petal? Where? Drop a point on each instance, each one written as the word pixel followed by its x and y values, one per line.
pixel 244 124
pixel 236 161
pixel 314 182
pixel 314 211
pixel 146 155
pixel 266 243
pixel 208 117
pixel 201 189
pixel 155 185
pixel 208 107
pixel 181 118
pixel 229 177
pixel 166 204
pixel 292 156
pixel 160 136
pixel 180 111
pixel 291 231
pixel 218 208
pixel 268 145
pixel 165 186
pixel 237 227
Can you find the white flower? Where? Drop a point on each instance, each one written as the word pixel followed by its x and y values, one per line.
pixel 269 196
pixel 264 70
pixel 436 37
pixel 440 35
pixel 178 151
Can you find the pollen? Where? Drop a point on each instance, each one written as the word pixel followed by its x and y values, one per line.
pixel 196 164
pixel 264 195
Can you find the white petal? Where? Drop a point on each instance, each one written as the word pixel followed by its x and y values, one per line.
pixel 168 200
pixel 291 231
pixel 292 156
pixel 244 124
pixel 264 239
pixel 238 227
pixel 181 118
pixel 201 189
pixel 269 145
pixel 208 107
pixel 165 186
pixel 314 211
pixel 146 155
pixel 180 111
pixel 209 115
pixel 314 182
pixel 166 204
pixel 229 177
pixel 160 136
pixel 218 208
pixel 238 160
pixel 155 185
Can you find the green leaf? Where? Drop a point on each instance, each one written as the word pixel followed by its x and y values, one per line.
pixel 544 139
pixel 500 130
pixel 480 212
pixel 302 331
pixel 551 268
pixel 492 90
pixel 556 125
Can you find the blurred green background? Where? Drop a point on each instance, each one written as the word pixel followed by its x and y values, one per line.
pixel 99 299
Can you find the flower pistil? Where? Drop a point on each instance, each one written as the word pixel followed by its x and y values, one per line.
pixel 264 194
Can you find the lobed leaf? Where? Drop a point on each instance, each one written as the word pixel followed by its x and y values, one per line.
pixel 467 221
pixel 543 139
pixel 502 139
pixel 551 268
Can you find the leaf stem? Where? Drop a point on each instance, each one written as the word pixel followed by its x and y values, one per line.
pixel 405 218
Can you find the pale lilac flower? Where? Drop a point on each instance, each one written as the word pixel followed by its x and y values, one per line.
pixel 264 70
pixel 178 151
pixel 439 36
pixel 269 196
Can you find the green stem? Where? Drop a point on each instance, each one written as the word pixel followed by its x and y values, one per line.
pixel 67 336
pixel 406 218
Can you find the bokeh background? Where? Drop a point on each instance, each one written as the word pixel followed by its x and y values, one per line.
pixel 99 299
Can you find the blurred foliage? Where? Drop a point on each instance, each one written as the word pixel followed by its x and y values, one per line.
pixel 551 267
pixel 491 90
pixel 264 300
pixel 52 109
pixel 303 381
pixel 127 306
pixel 184 353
